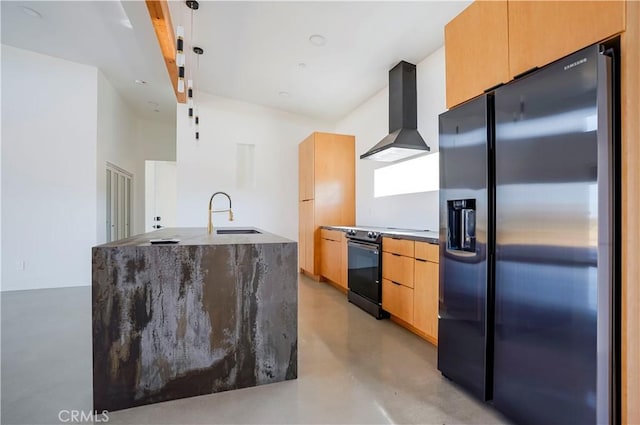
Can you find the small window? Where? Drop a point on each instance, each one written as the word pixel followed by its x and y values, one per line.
pixel 415 175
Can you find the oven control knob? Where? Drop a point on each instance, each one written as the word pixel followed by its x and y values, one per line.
pixel 370 234
pixel 374 235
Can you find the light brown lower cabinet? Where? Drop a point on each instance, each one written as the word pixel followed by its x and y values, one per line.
pixel 397 299
pixel 344 268
pixel 307 238
pixel 397 268
pixel 410 284
pixel 330 259
pixel 333 257
pixel 425 297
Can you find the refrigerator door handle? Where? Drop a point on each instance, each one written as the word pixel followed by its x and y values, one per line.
pixel 604 380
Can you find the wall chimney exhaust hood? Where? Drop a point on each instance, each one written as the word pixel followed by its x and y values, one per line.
pixel 403 140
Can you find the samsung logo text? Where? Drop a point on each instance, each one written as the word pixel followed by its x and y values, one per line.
pixel 576 63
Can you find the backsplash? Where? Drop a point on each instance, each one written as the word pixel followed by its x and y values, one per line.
pixel 413 211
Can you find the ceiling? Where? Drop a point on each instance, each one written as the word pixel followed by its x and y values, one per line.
pixel 253 50
pixel 116 37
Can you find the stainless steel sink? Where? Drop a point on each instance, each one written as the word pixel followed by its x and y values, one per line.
pixel 237 232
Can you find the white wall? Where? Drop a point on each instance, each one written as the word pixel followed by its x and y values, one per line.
pixel 370 123
pixel 209 165
pixel 127 141
pixel 116 144
pixel 49 111
pixel 1 155
pixel 0 173
pixel 61 123
pixel 156 140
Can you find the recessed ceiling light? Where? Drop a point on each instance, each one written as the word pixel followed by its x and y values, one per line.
pixel 317 40
pixel 31 12
pixel 143 82
pixel 284 94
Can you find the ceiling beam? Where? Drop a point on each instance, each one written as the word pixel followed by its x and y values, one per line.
pixel 161 20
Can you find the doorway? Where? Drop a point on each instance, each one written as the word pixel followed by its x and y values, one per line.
pixel 119 205
pixel 160 195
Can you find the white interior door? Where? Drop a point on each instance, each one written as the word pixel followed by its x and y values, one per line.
pixel 119 203
pixel 160 194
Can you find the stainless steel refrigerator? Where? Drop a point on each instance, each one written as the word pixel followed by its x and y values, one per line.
pixel 527 271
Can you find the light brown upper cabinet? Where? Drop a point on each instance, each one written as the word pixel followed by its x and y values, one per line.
pixel 326 170
pixel 476 50
pixel 543 31
pixel 492 42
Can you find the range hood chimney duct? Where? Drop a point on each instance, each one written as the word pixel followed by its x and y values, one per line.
pixel 403 140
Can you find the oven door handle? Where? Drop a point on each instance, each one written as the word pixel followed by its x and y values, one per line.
pixel 368 247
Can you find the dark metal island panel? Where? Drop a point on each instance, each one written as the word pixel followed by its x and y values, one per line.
pixel 208 314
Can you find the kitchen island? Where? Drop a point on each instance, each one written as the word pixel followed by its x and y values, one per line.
pixel 209 313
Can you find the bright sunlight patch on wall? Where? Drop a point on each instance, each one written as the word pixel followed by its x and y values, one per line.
pixel 415 175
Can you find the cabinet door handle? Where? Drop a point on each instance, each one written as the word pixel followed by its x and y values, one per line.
pixel 421 260
pixel 395 255
pixel 522 74
pixel 395 283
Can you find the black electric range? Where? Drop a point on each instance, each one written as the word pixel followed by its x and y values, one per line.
pixel 365 270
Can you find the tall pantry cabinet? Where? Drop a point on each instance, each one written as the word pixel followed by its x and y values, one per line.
pixel 327 188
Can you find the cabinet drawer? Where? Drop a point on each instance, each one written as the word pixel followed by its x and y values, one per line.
pixel 427 251
pixel 397 268
pixel 334 235
pixel 397 300
pixel 398 246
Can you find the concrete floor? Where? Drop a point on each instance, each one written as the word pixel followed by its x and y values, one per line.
pixel 352 369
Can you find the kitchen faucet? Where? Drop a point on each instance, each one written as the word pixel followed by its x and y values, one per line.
pixel 210 226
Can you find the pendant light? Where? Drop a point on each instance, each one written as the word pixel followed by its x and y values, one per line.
pixel 180 56
pixel 198 51
pixel 181 62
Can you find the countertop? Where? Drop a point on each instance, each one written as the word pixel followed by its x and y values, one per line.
pixel 428 236
pixel 198 236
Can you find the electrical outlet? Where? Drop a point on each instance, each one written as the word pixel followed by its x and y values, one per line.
pixel 22 265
